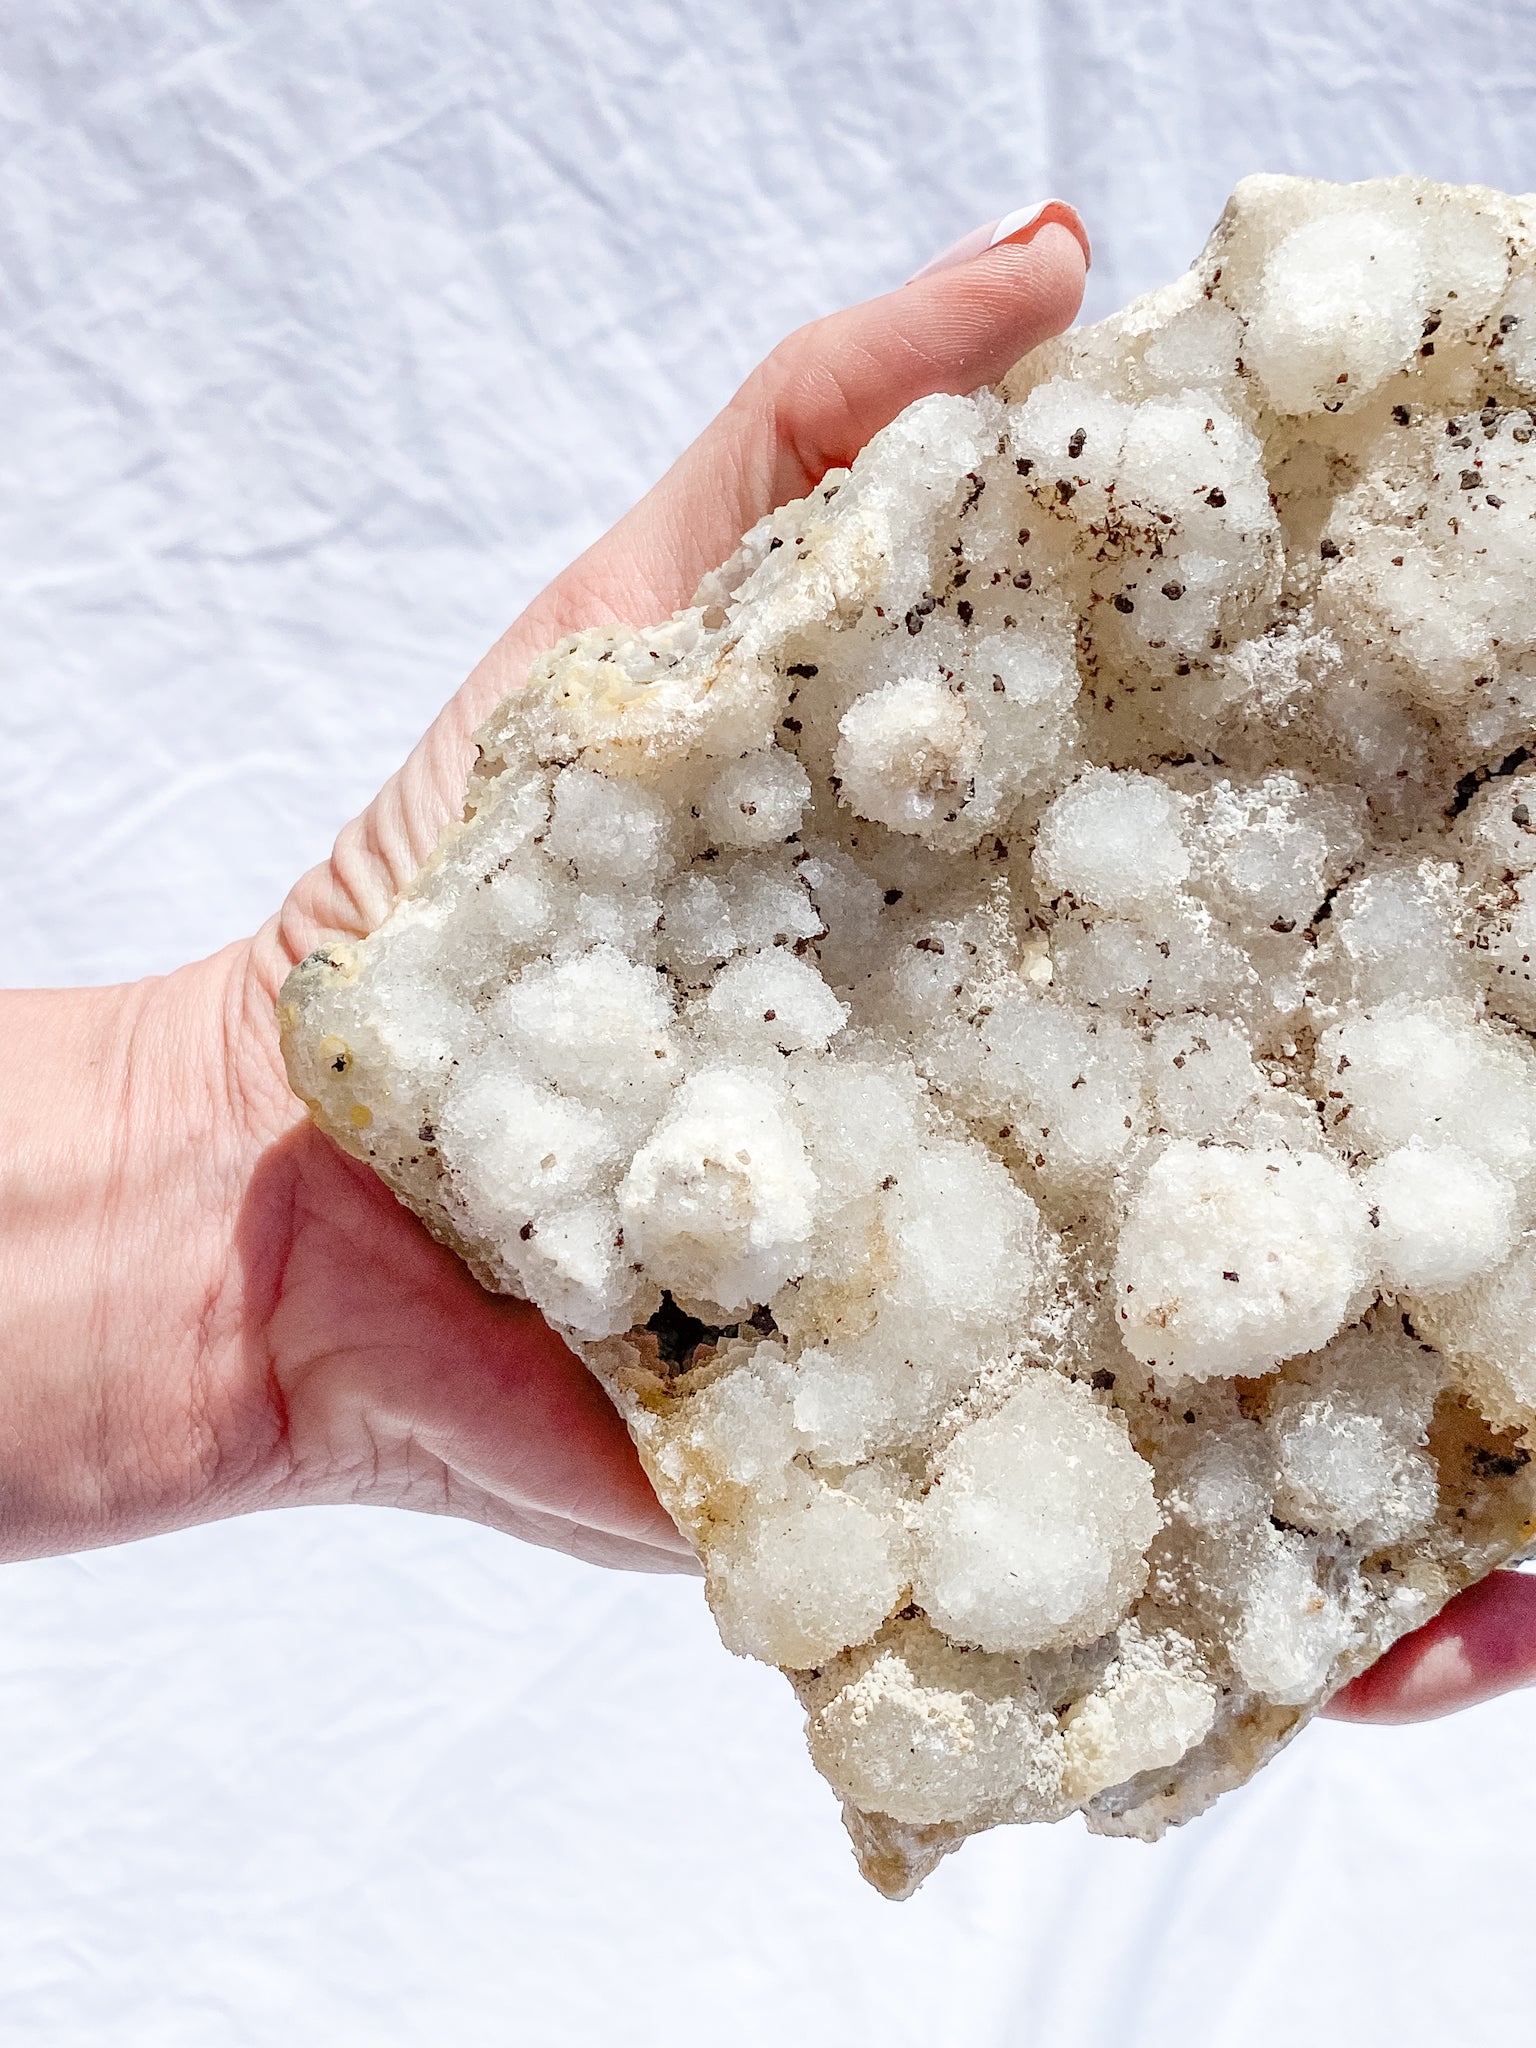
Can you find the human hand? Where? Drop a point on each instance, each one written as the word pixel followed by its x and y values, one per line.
pixel 1479 1645
pixel 206 1307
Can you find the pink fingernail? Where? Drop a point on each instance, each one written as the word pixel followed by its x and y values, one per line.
pixel 1019 227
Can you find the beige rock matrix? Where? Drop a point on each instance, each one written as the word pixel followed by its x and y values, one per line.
pixel 1001 1032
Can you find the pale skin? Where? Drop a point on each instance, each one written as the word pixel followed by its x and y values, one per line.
pixel 206 1309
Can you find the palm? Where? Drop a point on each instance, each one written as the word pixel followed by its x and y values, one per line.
pixel 403 1383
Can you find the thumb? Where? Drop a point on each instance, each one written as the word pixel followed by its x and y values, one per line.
pixel 809 407
pixel 812 404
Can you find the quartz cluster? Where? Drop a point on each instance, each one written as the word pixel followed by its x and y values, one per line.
pixel 1001 1032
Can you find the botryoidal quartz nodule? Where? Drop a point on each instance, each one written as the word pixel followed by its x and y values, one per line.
pixel 1001 1032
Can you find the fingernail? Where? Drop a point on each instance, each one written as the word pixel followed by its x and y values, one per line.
pixel 1019 227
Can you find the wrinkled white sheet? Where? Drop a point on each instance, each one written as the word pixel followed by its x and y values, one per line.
pixel 328 333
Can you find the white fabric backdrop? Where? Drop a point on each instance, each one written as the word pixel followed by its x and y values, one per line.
pixel 329 333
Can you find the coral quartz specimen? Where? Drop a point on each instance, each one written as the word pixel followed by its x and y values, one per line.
pixel 1001 1033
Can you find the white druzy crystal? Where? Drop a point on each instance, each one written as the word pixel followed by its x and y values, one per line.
pixel 1034 1533
pixel 1233 1258
pixel 718 1202
pixel 1001 1031
pixel 1114 840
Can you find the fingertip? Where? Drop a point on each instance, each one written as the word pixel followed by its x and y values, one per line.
pixel 990 311
pixel 1058 273
pixel 1053 263
pixel 1030 222
pixel 1025 290
pixel 1025 224
pixel 1481 1644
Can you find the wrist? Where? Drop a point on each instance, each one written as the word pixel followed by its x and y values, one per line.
pixel 131 1120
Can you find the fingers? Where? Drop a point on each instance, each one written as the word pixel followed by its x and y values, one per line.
pixel 1481 1644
